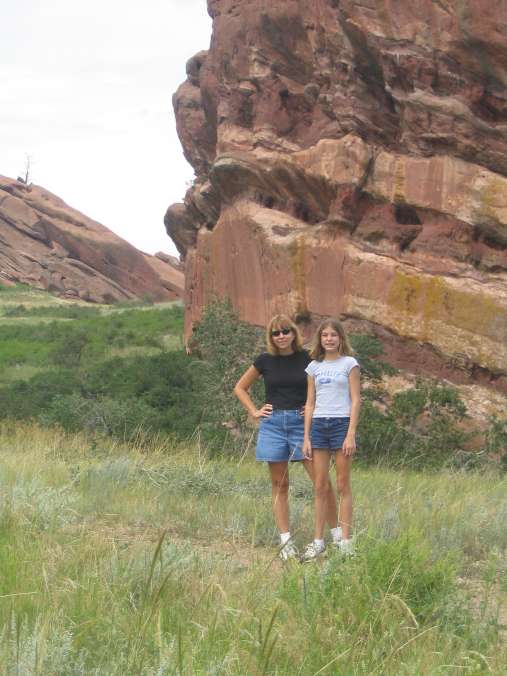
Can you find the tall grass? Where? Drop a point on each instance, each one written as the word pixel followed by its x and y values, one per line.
pixel 149 558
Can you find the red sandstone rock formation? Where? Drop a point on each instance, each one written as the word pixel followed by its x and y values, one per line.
pixel 45 243
pixel 351 159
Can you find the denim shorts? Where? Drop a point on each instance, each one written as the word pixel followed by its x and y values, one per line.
pixel 280 437
pixel 329 432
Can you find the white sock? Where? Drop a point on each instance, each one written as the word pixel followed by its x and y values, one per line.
pixel 319 543
pixel 284 537
pixel 336 534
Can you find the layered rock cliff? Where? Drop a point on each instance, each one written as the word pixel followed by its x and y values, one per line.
pixel 49 245
pixel 351 159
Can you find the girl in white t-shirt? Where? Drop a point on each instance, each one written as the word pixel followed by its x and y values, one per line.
pixel 331 417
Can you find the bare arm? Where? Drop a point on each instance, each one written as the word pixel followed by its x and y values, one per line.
pixel 349 444
pixel 241 390
pixel 309 408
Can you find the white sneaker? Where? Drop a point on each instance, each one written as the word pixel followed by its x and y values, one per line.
pixel 289 551
pixel 345 547
pixel 313 551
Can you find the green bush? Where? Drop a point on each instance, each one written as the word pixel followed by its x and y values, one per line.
pixel 226 347
pixel 68 350
pixel 119 418
pixel 420 429
pixel 114 397
pixel 368 349
pixel 167 383
pixel 23 400
pixel 496 440
pixel 15 311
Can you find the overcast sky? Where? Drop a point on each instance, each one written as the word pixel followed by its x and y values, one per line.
pixel 86 91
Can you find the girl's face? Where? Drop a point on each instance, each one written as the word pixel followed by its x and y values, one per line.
pixel 330 339
pixel 282 337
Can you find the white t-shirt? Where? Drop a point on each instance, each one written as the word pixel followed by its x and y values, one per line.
pixel 332 392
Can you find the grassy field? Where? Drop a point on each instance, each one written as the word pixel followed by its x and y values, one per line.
pixel 153 559
pixel 133 542
pixel 105 369
pixel 26 295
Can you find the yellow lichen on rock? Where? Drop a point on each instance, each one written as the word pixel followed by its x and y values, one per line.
pixel 434 298
pixel 433 309
pixel 297 258
pixel 493 200
pixel 399 191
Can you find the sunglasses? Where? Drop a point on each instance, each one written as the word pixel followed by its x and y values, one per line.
pixel 283 332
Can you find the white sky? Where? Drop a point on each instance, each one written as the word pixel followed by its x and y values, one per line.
pixel 85 89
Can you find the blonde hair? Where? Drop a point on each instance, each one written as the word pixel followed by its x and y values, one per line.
pixel 283 322
pixel 317 352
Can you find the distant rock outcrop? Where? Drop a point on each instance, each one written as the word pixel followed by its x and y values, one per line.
pixel 49 245
pixel 351 159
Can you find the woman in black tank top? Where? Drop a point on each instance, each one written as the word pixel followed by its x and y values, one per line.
pixel 281 420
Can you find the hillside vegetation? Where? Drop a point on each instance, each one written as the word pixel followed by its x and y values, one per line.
pixel 123 370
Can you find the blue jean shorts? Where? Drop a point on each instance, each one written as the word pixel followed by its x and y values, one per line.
pixel 329 432
pixel 280 437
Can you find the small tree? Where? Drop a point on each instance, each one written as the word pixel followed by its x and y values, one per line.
pixel 26 178
pixel 226 346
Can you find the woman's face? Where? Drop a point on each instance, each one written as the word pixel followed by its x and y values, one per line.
pixel 330 339
pixel 282 337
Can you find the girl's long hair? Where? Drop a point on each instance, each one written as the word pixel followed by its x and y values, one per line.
pixel 317 352
pixel 283 322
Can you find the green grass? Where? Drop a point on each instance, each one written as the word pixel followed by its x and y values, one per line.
pixel 150 558
pixel 22 294
pixel 20 372
pixel 53 336
pixel 158 556
pixel 105 370
pixel 40 332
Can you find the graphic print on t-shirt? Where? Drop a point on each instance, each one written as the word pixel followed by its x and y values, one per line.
pixel 332 386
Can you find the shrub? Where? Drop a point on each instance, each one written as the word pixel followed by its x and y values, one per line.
pixel 420 429
pixel 15 311
pixel 67 352
pixel 40 505
pixel 119 418
pixel 368 350
pixel 26 399
pixel 496 440
pixel 119 396
pixel 226 347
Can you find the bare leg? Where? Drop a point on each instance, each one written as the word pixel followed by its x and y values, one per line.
pixel 279 472
pixel 321 483
pixel 332 508
pixel 343 466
